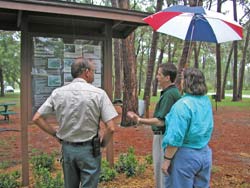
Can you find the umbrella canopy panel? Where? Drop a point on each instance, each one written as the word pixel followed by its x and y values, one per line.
pixel 195 24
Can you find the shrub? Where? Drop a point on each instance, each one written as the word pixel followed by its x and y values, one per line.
pixel 42 167
pixel 4 164
pixel 140 169
pixel 149 159
pixel 43 161
pixel 10 180
pixel 44 179
pixel 107 173
pixel 128 164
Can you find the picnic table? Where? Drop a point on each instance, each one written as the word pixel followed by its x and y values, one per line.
pixel 5 112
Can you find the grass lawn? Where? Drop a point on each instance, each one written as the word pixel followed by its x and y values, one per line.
pixel 224 102
pixel 15 97
pixel 11 97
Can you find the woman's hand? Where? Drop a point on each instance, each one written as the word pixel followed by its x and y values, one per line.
pixel 165 166
pixel 133 116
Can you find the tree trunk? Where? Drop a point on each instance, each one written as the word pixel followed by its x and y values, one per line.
pixel 130 99
pixel 218 63
pixel 118 69
pixel 196 63
pixel 182 64
pixel 218 73
pixel 243 63
pixel 226 73
pixel 117 63
pixel 1 82
pixel 196 54
pixel 151 63
pixel 169 52
pixel 140 48
pixel 235 43
pixel 155 84
pixel 150 67
pixel 140 70
pixel 173 51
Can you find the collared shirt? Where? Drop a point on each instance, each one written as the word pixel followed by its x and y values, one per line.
pixel 79 107
pixel 168 97
pixel 189 123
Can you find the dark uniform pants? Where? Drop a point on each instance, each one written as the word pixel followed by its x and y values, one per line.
pixel 80 167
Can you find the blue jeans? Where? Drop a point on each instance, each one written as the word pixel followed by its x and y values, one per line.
pixel 190 168
pixel 80 166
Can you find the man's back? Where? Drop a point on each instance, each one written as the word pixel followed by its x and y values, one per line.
pixel 79 106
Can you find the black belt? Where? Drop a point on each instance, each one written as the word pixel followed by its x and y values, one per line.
pixel 158 132
pixel 77 143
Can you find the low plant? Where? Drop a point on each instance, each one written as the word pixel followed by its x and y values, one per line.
pixel 149 159
pixel 140 169
pixel 128 164
pixel 44 179
pixel 215 169
pixel 43 161
pixel 10 180
pixel 43 166
pixel 107 173
pixel 4 164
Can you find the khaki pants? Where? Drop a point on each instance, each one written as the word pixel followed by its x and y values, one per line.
pixel 158 161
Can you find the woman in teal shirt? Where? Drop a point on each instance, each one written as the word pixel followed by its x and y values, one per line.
pixel 189 126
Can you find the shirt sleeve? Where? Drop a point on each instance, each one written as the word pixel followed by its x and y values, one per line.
pixel 47 107
pixel 108 111
pixel 177 123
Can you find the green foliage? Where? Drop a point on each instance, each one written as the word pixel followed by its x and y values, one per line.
pixel 43 165
pixel 140 169
pixel 149 159
pixel 245 103
pixel 107 173
pixel 10 180
pixel 10 56
pixel 215 169
pixel 43 161
pixel 44 179
pixel 4 164
pixel 128 164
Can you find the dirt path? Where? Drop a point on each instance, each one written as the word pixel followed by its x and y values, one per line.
pixel 230 144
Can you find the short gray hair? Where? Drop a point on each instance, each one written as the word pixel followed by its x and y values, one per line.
pixel 79 65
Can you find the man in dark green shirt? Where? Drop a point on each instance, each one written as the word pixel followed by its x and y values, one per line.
pixel 169 95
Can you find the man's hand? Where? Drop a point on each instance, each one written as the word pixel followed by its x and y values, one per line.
pixel 57 139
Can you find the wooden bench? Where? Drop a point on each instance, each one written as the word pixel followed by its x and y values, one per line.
pixel 6 114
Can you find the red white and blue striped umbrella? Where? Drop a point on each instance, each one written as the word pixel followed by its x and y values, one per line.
pixel 195 24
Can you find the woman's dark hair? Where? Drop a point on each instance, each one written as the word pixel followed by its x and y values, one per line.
pixel 169 69
pixel 194 82
pixel 79 66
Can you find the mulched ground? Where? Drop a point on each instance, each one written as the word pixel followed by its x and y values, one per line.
pixel 230 144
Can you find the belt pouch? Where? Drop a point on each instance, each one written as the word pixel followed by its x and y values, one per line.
pixel 96 146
